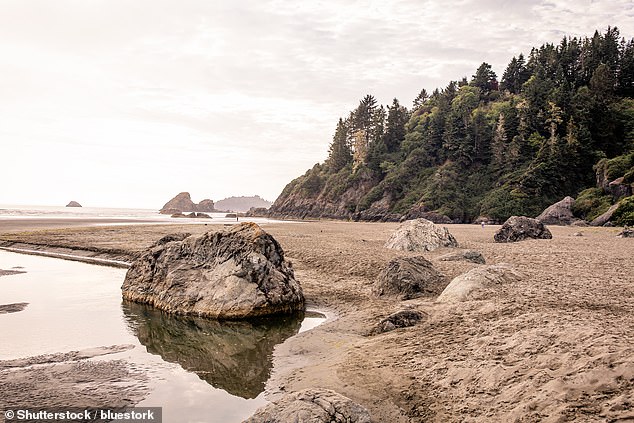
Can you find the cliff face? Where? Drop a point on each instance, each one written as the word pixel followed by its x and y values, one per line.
pixel 308 197
pixel 330 200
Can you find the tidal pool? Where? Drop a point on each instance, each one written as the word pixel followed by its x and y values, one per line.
pixel 200 370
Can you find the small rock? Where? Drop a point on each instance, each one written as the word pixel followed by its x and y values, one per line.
pixel 577 234
pixel 420 235
pixel 73 204
pixel 314 405
pixel 400 319
pixel 626 233
pixel 466 255
pixel 518 228
pixel 409 277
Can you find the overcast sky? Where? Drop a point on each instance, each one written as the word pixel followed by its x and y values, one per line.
pixel 126 103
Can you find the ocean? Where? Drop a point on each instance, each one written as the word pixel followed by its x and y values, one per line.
pixel 107 214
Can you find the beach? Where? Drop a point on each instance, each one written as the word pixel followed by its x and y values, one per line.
pixel 558 345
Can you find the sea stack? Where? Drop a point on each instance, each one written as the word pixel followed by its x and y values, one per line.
pixel 182 202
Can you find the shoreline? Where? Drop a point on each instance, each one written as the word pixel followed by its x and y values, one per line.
pixel 544 348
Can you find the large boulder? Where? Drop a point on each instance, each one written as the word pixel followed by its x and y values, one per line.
pixel 559 213
pixel 230 274
pixel 420 235
pixel 409 277
pixel 314 406
pixel 479 283
pixel 518 228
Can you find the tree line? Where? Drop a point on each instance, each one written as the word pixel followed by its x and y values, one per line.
pixel 484 146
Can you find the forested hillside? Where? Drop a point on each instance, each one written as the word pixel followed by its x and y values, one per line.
pixel 558 122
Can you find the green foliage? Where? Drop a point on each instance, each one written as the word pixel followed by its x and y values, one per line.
pixel 501 203
pixel 312 184
pixel 616 167
pixel 340 154
pixel 474 148
pixel 624 214
pixel 591 203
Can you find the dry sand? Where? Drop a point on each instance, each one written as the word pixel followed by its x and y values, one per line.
pixel 556 346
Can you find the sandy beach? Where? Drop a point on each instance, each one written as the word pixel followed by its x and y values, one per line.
pixel 556 346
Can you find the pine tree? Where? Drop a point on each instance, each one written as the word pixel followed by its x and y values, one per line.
pixel 420 99
pixel 485 79
pixel 339 153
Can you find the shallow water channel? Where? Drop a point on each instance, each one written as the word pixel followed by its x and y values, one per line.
pixel 200 369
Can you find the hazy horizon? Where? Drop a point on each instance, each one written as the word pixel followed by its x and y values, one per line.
pixel 126 104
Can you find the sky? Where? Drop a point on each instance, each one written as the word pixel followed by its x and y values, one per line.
pixel 125 103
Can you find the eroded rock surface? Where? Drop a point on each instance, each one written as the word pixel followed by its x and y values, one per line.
pixel 230 274
pixel 420 235
pixel 314 406
pixel 409 277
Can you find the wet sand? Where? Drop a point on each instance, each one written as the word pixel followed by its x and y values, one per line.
pixel 556 346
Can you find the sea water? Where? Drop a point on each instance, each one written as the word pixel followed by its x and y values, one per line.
pixel 104 213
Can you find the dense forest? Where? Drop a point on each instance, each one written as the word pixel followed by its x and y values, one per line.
pixel 558 122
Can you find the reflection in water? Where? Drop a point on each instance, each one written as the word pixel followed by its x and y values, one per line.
pixel 235 356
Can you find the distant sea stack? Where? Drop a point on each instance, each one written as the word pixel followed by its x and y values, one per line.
pixel 242 204
pixel 73 204
pixel 183 203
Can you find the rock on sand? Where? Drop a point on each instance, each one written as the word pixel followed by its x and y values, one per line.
pixel 400 319
pixel 559 213
pixel 420 235
pixel 314 406
pixel 518 228
pixel 409 277
pixel 478 283
pixel 231 274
